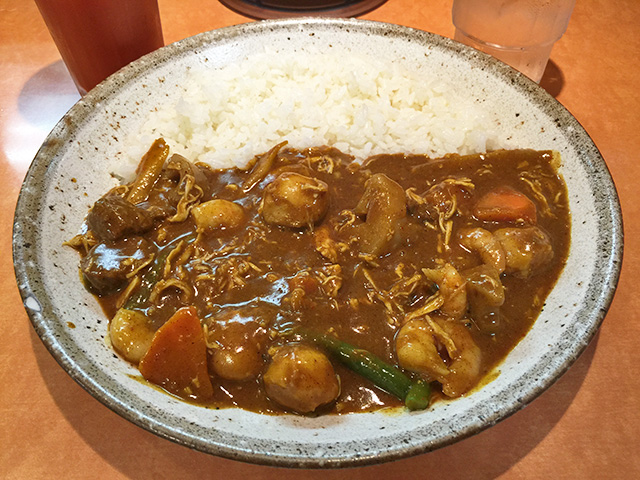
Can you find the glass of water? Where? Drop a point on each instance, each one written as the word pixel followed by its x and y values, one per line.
pixel 521 33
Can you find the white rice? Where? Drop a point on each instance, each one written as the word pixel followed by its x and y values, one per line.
pixel 363 106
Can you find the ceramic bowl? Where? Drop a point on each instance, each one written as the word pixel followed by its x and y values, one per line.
pixel 68 175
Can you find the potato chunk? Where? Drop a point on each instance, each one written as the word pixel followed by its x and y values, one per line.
pixel 301 378
pixel 130 334
pixel 238 355
pixel 217 215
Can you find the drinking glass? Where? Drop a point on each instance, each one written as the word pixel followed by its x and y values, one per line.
pixel 521 33
pixel 95 38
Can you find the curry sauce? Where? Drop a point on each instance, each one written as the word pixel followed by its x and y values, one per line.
pixel 436 266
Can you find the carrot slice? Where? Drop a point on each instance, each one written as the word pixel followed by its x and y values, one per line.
pixel 505 204
pixel 177 358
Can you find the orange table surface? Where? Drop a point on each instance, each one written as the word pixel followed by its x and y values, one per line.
pixel 587 425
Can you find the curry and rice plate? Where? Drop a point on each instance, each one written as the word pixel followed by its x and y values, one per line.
pixel 317 279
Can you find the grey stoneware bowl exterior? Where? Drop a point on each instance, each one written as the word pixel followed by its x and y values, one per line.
pixel 71 171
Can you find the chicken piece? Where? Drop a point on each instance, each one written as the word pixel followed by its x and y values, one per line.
pixel 441 200
pixel 485 244
pixel 294 200
pixel 384 205
pixel 484 287
pixel 452 287
pixel 418 345
pixel 301 378
pixel 466 359
pixel 527 250
pixel 325 245
pixel 485 294
pixel 417 350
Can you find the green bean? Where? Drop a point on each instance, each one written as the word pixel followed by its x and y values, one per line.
pixel 418 395
pixel 415 394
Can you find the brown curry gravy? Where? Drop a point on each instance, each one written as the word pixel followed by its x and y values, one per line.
pixel 280 254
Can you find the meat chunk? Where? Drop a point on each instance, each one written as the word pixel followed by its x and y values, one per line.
pixel 112 217
pixel 485 296
pixel 107 264
pixel 484 288
pixel 178 168
pixel 418 346
pixel 527 249
pixel 441 200
pixel 384 205
pixel 294 200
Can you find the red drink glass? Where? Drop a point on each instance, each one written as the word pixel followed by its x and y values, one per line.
pixel 98 37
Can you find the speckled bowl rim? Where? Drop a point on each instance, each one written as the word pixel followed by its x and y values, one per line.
pixel 26 236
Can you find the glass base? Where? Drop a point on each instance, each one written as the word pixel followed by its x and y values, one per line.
pixel 530 60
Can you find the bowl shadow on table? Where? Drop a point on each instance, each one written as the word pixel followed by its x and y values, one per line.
pixel 552 79
pixel 47 96
pixel 139 454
